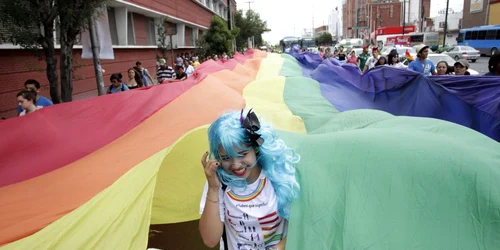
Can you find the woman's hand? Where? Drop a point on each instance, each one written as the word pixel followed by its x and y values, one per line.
pixel 210 168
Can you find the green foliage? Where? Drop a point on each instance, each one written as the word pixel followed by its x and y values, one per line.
pixel 218 38
pixel 324 39
pixel 250 25
pixel 23 19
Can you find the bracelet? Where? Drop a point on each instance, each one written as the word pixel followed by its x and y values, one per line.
pixel 208 198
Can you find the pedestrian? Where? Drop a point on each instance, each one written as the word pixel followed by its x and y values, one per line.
pixel 442 68
pixel 461 66
pixel 26 99
pixel 246 155
pixel 34 85
pixel 146 77
pixel 116 84
pixel 494 65
pixel 422 64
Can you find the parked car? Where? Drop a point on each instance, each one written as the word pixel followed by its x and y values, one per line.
pixel 463 52
pixel 436 58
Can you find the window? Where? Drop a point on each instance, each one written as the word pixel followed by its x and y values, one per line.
pixel 112 26
pixel 468 35
pixel 491 34
pixel 498 35
pixel 441 25
pixel 481 35
pixel 150 31
pixel 4 35
pixel 130 29
pixel 474 35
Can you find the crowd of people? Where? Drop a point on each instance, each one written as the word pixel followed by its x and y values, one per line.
pixel 421 64
pixel 29 100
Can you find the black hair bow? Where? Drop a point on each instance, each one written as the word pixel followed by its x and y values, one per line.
pixel 251 124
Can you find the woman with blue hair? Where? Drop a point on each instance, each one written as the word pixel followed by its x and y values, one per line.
pixel 250 184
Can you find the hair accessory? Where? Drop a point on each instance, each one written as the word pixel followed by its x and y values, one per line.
pixel 251 124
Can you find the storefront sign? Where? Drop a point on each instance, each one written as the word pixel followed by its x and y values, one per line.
pixel 476 6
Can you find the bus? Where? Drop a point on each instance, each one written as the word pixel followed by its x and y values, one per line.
pixel 486 38
pixel 308 44
pixel 351 43
pixel 430 39
pixel 287 43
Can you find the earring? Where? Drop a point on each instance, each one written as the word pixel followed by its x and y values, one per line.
pixel 256 150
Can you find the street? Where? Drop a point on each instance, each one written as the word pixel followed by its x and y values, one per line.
pixel 481 65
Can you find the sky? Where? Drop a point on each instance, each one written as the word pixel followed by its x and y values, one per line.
pixel 291 17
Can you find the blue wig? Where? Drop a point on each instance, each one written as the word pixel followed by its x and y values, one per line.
pixel 274 156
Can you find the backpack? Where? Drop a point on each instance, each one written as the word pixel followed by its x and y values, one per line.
pixel 112 86
pixel 144 77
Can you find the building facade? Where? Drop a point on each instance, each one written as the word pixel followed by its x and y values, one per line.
pixel 362 17
pixel 475 13
pixel 454 26
pixel 494 12
pixel 320 30
pixel 334 24
pixel 133 25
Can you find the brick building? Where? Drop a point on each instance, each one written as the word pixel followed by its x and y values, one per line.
pixel 480 12
pixel 372 14
pixel 133 34
pixel 475 13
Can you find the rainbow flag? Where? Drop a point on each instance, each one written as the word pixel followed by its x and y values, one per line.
pixel 389 159
pixel 408 56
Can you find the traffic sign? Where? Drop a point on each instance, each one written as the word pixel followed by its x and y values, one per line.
pixel 360 28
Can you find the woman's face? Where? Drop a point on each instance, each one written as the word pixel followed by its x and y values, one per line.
pixel 353 54
pixel 381 61
pixel 23 102
pixel 395 59
pixel 116 83
pixel 244 166
pixel 441 69
pixel 131 74
pixel 459 69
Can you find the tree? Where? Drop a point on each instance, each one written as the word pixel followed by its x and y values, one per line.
pixel 30 24
pixel 324 39
pixel 250 25
pixel 218 38
pixel 74 17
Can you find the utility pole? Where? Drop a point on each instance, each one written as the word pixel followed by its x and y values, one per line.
pixel 446 22
pixel 312 30
pixel 356 17
pixel 404 16
pixel 249 2
pixel 95 56
pixel 422 14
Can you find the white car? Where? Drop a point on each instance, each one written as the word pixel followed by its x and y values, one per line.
pixel 401 52
pixel 436 58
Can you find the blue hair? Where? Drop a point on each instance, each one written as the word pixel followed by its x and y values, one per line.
pixel 276 159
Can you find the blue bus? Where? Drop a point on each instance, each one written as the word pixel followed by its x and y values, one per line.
pixel 486 39
pixel 287 43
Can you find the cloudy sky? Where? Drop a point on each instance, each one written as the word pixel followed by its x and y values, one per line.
pixel 299 14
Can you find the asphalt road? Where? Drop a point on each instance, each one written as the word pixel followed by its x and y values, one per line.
pixel 481 65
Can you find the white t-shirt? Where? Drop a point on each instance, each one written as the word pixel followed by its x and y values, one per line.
pixel 24 111
pixel 250 215
pixel 189 70
pixel 371 62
